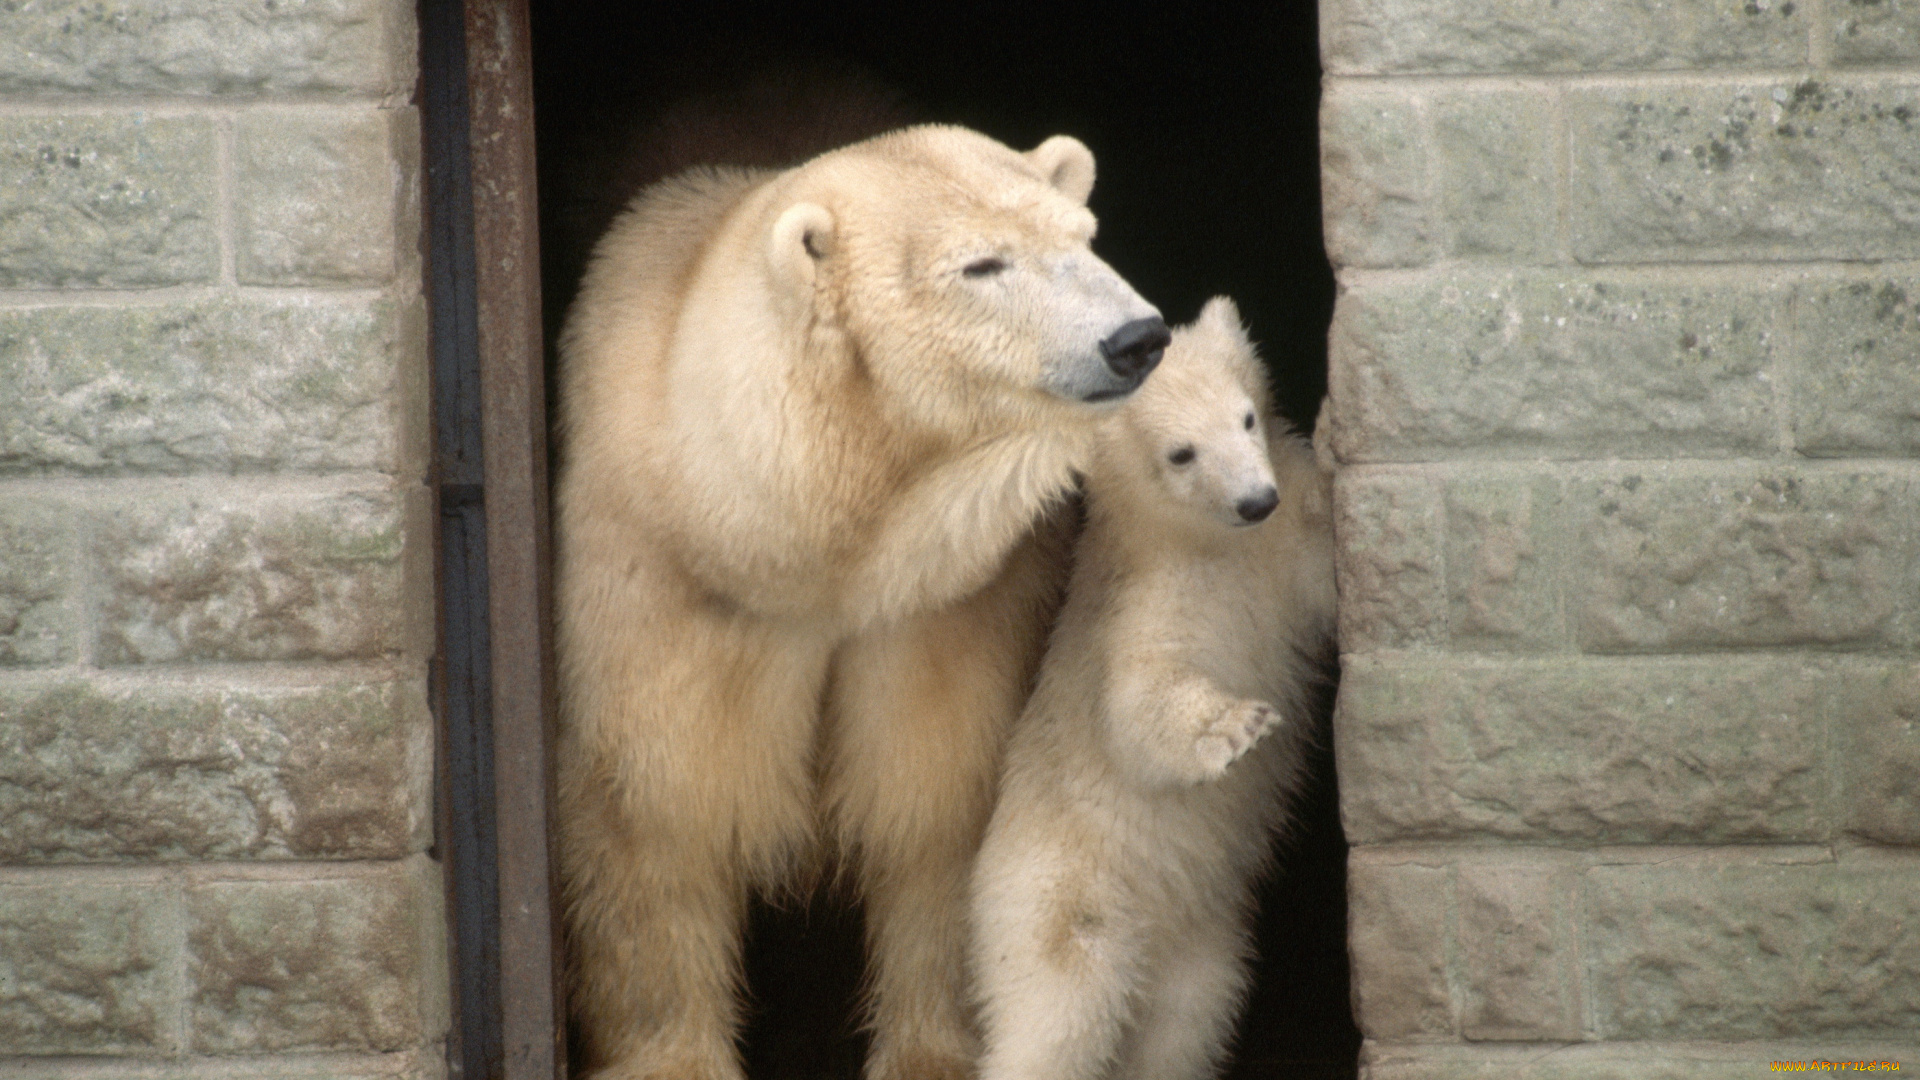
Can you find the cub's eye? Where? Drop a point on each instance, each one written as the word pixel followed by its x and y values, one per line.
pixel 984 267
pixel 1181 456
pixel 1249 421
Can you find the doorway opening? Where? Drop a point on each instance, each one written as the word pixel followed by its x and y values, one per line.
pixel 1203 122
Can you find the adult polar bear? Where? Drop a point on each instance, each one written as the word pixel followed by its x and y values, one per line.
pixel 813 419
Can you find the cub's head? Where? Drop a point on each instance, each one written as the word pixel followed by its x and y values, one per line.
pixel 1196 436
pixel 961 275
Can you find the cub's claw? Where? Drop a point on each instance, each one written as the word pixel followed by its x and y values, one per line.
pixel 1233 733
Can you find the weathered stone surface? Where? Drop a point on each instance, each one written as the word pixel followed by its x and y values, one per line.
pixel 118 201
pixel 1502 556
pixel 1401 36
pixel 1373 178
pixel 249 578
pixel 1493 182
pixel 1515 953
pixel 206 46
pixel 84 969
pixel 36 576
pixel 318 196
pixel 1392 592
pixel 1716 952
pixel 213 385
pixel 1748 170
pixel 1397 933
pixel 1605 1061
pixel 1624 751
pixel 1530 366
pixel 1858 390
pixel 158 772
pixel 1875 31
pixel 1783 557
pixel 332 964
pixel 1876 725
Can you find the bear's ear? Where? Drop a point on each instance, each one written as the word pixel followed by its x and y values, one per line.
pixel 801 237
pixel 1067 164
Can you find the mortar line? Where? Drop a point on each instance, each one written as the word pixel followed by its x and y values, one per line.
pixel 87 588
pixel 1819 35
pixel 91 490
pixel 1790 367
pixel 223 141
pixel 172 106
pixel 1729 271
pixel 1647 80
pixel 1561 136
pixel 175 295
pixel 183 973
pixel 239 675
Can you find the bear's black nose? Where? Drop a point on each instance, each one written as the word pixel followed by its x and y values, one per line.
pixel 1135 349
pixel 1256 507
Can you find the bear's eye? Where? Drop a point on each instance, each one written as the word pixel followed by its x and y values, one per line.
pixel 1249 421
pixel 1181 456
pixel 984 267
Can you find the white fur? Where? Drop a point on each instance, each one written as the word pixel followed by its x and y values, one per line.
pixel 1112 897
pixel 805 564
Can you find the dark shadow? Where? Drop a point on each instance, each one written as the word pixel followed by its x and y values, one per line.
pixel 1203 121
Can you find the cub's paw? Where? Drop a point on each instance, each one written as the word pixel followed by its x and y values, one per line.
pixel 1234 732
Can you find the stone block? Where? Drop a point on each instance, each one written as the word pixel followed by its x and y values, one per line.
pixel 320 577
pixel 329 964
pixel 1373 177
pixel 1397 934
pixel 1876 726
pixel 1874 31
pixel 1388 563
pixel 1748 170
pixel 206 47
pixel 1858 387
pixel 107 201
pixel 1788 557
pixel 165 772
pixel 36 578
pixel 1494 175
pixel 1516 36
pixel 1516 946
pixel 88 968
pixel 1541 365
pixel 1616 751
pixel 1502 562
pixel 219 385
pixel 1731 952
pixel 319 197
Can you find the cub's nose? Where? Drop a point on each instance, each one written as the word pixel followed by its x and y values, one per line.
pixel 1135 349
pixel 1256 507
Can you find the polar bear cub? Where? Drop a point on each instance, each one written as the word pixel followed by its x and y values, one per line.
pixel 1142 784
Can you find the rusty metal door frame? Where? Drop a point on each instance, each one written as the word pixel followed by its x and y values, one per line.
pixel 493 677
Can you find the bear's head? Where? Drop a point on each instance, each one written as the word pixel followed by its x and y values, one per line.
pixel 959 274
pixel 1195 438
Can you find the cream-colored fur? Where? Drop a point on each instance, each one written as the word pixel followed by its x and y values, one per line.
pixel 1143 782
pixel 817 423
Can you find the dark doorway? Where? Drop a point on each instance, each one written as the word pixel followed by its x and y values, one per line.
pixel 1203 122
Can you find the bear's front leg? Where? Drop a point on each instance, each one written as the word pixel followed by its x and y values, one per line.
pixel 917 711
pixel 1171 724
pixel 685 781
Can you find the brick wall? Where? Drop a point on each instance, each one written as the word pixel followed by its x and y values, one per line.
pixel 1626 392
pixel 215 594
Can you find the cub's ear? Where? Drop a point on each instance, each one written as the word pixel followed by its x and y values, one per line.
pixel 1223 314
pixel 801 237
pixel 1067 164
